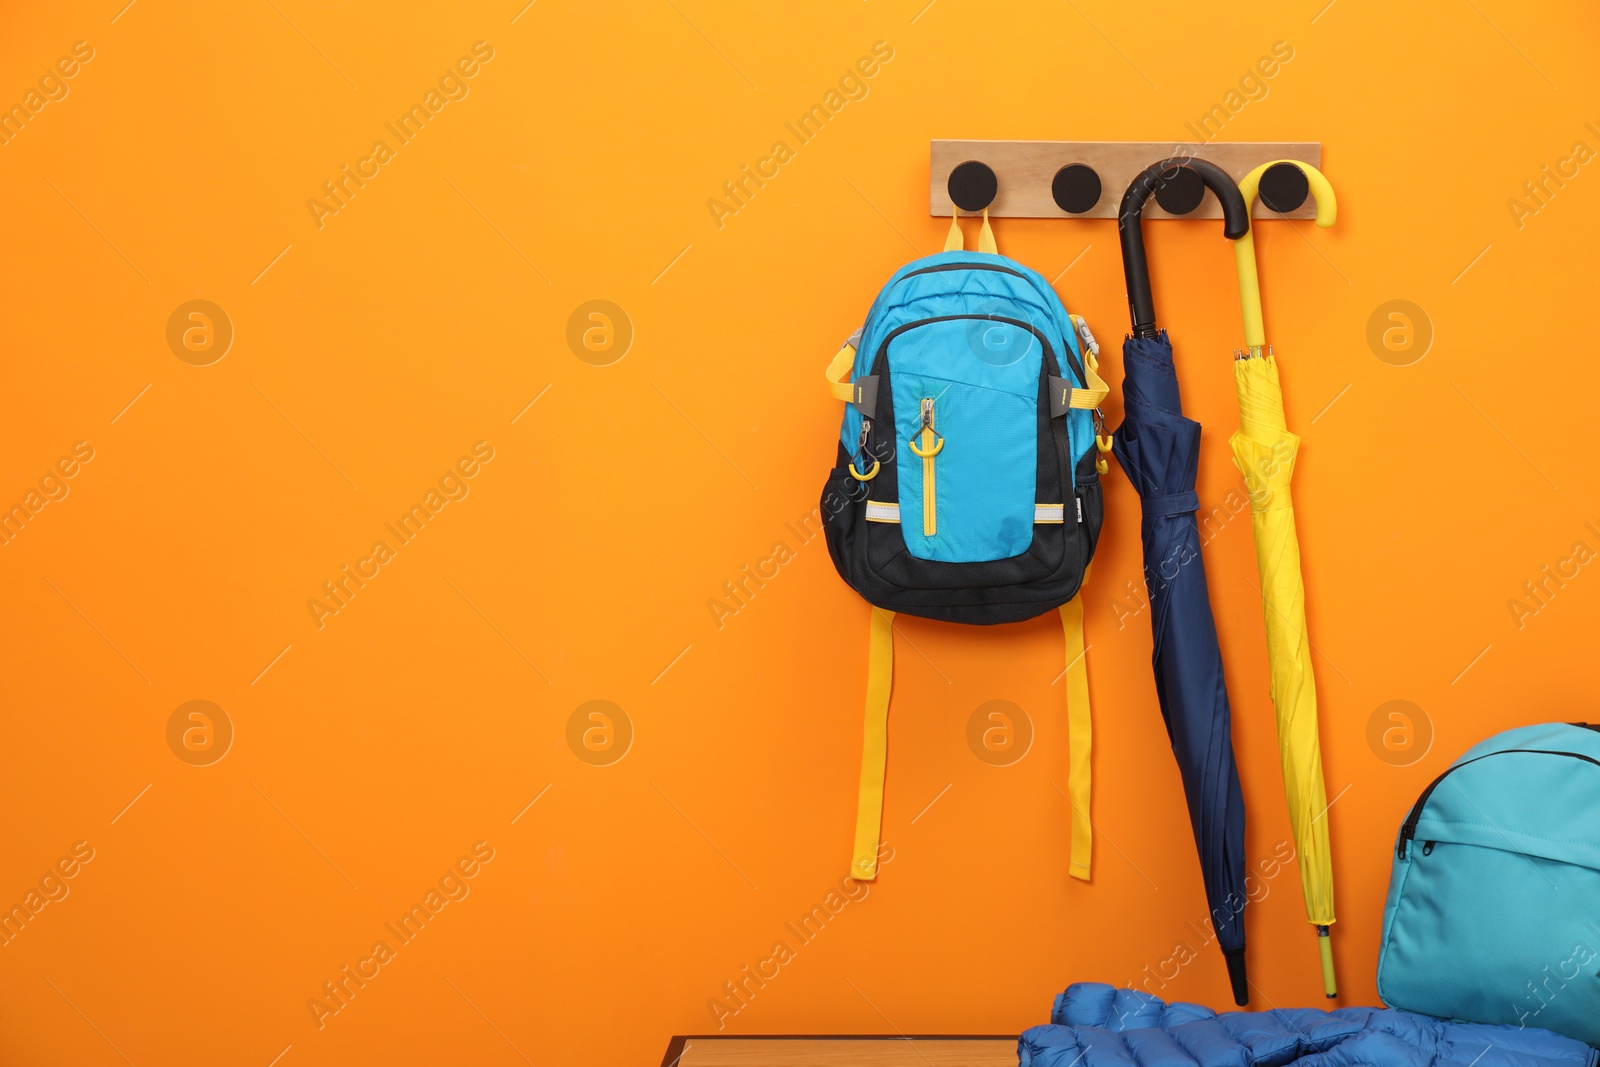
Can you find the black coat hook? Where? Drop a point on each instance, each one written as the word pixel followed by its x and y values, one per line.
pixel 1075 188
pixel 1135 267
pixel 1180 192
pixel 1284 187
pixel 973 186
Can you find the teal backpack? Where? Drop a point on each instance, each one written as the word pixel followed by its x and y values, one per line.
pixel 966 480
pixel 1493 913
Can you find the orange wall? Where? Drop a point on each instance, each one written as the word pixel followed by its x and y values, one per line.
pixel 374 748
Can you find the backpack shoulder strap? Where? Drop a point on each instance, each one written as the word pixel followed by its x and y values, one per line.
pixel 1079 735
pixel 875 742
pixel 874 746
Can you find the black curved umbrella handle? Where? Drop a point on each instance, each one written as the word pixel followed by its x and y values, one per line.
pixel 1135 267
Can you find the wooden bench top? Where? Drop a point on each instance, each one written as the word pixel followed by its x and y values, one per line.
pixel 855 1050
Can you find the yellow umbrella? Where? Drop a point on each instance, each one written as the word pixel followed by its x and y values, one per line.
pixel 1264 451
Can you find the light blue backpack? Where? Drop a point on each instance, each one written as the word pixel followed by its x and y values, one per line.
pixel 1493 913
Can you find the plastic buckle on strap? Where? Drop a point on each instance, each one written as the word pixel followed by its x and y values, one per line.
pixel 1088 337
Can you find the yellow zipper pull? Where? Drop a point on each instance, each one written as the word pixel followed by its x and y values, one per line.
pixel 932 445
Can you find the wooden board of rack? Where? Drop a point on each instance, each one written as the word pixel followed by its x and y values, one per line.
pixel 1025 169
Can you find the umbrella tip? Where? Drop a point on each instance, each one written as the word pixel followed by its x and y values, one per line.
pixel 1236 975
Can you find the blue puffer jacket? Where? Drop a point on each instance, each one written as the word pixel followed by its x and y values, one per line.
pixel 1103 1026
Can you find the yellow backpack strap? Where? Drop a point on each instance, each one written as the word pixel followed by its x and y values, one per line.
pixel 953 241
pixel 874 746
pixel 838 374
pixel 1079 736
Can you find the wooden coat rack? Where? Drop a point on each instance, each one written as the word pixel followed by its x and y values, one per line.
pixel 1086 179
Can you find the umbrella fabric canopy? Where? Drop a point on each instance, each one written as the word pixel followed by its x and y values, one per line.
pixel 1264 451
pixel 1160 451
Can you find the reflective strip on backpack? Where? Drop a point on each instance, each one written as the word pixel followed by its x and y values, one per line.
pixel 889 511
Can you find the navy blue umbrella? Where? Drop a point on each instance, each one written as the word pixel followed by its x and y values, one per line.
pixel 1159 450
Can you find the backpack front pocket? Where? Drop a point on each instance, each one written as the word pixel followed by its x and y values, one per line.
pixel 967 481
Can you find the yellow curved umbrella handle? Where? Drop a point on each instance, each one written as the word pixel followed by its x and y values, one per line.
pixel 1244 249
